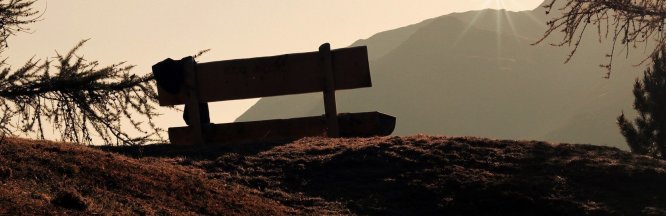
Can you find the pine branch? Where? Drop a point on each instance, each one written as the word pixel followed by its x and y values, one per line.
pixel 79 99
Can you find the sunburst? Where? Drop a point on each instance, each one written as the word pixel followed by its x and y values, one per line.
pixel 502 27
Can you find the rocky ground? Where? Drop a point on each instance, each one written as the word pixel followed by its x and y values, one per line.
pixel 417 175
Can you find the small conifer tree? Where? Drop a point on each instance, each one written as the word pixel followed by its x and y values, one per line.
pixel 647 134
pixel 77 97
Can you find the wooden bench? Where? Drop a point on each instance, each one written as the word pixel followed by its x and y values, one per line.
pixel 196 84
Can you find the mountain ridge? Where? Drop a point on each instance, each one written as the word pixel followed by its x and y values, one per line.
pixel 476 74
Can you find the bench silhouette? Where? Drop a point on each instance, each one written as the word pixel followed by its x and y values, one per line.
pixel 196 84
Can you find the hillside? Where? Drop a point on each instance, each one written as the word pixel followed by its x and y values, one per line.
pixel 414 175
pixel 48 178
pixel 476 74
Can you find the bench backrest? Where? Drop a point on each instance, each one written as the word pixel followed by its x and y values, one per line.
pixel 275 75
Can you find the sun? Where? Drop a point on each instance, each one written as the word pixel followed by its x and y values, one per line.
pixel 503 21
pixel 511 4
pixel 497 4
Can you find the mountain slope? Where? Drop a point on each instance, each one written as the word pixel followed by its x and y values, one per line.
pixel 475 73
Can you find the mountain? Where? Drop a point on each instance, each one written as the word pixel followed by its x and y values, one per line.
pixel 477 74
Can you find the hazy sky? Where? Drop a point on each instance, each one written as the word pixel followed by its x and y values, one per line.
pixel 148 31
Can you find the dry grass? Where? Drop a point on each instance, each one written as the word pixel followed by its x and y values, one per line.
pixel 40 177
pixel 419 175
pixel 423 175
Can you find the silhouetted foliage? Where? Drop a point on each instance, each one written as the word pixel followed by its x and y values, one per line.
pixel 76 96
pixel 631 23
pixel 647 135
pixel 14 16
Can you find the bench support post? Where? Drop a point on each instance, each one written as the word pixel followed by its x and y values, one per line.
pixel 194 114
pixel 333 128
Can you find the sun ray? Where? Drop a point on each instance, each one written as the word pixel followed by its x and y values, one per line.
pixel 536 19
pixel 498 30
pixel 470 25
pixel 509 21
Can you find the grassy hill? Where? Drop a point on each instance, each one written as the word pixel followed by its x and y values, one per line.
pixel 48 178
pixel 413 175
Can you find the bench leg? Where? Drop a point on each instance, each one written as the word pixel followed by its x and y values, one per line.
pixel 193 105
pixel 333 128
